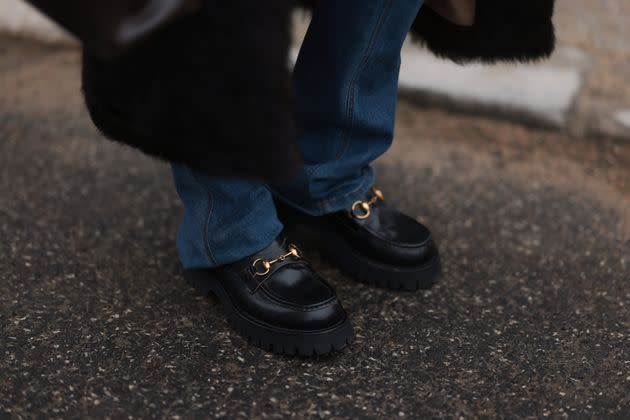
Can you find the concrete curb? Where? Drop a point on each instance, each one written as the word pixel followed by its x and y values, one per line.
pixel 540 94
pixel 20 19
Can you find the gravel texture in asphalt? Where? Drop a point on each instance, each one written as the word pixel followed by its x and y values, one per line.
pixel 531 317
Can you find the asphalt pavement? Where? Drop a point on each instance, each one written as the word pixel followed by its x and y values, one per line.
pixel 531 317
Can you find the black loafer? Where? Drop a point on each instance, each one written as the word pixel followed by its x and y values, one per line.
pixel 373 242
pixel 277 302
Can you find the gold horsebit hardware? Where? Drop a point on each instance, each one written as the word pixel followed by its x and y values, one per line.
pixel 363 209
pixel 262 266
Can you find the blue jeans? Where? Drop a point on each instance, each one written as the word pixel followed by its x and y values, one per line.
pixel 345 81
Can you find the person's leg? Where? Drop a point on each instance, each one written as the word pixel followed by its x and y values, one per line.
pixel 346 81
pixel 229 245
pixel 225 219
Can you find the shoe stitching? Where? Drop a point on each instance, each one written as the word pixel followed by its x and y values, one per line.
pixel 273 297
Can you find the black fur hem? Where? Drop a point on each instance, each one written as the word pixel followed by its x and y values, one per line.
pixel 504 30
pixel 213 90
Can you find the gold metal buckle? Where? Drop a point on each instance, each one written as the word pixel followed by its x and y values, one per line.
pixel 262 266
pixel 362 209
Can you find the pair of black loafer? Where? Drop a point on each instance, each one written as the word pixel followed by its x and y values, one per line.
pixel 277 301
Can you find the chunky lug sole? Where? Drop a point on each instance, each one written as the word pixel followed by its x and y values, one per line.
pixel 375 273
pixel 267 337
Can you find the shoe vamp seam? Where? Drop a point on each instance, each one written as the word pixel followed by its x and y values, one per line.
pixel 397 244
pixel 302 308
pixel 306 308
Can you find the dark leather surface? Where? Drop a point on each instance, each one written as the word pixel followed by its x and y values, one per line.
pixel 387 235
pixel 292 295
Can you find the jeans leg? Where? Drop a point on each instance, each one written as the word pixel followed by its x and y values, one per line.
pixel 225 219
pixel 346 82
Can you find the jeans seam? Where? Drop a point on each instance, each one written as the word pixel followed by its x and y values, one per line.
pixel 351 94
pixel 350 98
pixel 210 211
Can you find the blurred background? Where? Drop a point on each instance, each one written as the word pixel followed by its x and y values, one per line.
pixel 522 172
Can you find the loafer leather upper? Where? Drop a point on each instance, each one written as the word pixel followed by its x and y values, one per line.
pixel 381 233
pixel 387 235
pixel 291 295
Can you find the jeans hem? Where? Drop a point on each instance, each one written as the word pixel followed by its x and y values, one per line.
pixel 332 204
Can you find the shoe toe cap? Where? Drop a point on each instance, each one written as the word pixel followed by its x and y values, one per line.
pixel 303 301
pixel 396 238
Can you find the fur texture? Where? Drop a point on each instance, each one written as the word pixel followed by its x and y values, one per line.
pixel 207 91
pixel 504 30
pixel 213 90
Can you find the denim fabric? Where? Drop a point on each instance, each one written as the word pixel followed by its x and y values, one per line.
pixel 345 80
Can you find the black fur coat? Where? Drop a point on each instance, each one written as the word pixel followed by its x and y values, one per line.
pixel 213 90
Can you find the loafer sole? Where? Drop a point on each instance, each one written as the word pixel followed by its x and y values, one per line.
pixel 277 340
pixel 375 273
